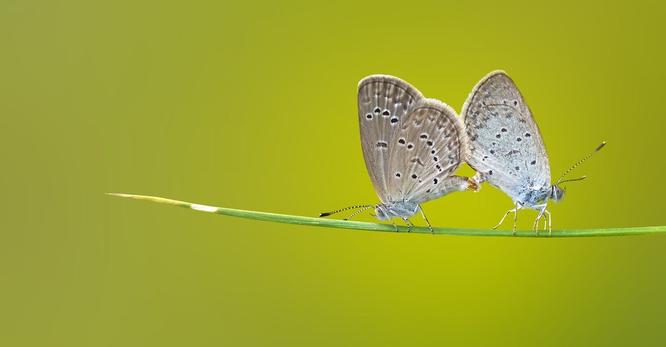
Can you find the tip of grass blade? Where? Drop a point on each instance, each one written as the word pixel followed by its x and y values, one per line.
pixel 120 195
pixel 156 199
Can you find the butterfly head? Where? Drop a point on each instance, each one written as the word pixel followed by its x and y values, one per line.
pixel 381 212
pixel 392 209
pixel 557 192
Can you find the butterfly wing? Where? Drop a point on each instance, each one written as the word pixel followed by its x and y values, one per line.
pixel 383 103
pixel 504 142
pixel 426 151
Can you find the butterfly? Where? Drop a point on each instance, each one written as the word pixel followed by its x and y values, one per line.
pixel 506 149
pixel 411 146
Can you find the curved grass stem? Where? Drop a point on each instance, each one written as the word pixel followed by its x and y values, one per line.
pixel 342 224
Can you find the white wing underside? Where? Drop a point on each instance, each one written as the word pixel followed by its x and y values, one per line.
pixel 411 145
pixel 505 144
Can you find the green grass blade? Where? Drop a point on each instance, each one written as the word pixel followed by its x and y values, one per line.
pixel 342 224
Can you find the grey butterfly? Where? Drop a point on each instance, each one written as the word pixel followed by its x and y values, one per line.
pixel 411 146
pixel 506 148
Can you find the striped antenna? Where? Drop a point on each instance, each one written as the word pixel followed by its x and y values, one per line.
pixel 357 212
pixel 560 180
pixel 573 179
pixel 324 214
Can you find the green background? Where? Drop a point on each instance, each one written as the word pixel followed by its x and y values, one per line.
pixel 253 106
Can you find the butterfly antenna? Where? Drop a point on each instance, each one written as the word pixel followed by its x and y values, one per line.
pixel 357 212
pixel 324 214
pixel 573 179
pixel 560 180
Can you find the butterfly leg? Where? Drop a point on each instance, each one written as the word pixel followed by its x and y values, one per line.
pixel 503 218
pixel 550 223
pixel 542 209
pixel 426 220
pixel 409 224
pixel 515 218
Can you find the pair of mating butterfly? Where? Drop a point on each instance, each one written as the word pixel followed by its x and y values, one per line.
pixel 412 145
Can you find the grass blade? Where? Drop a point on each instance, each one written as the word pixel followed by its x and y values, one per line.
pixel 342 224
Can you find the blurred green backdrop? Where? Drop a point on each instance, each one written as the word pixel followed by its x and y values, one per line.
pixel 253 106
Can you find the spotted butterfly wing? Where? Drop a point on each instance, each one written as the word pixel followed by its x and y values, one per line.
pixel 427 149
pixel 505 144
pixel 383 103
